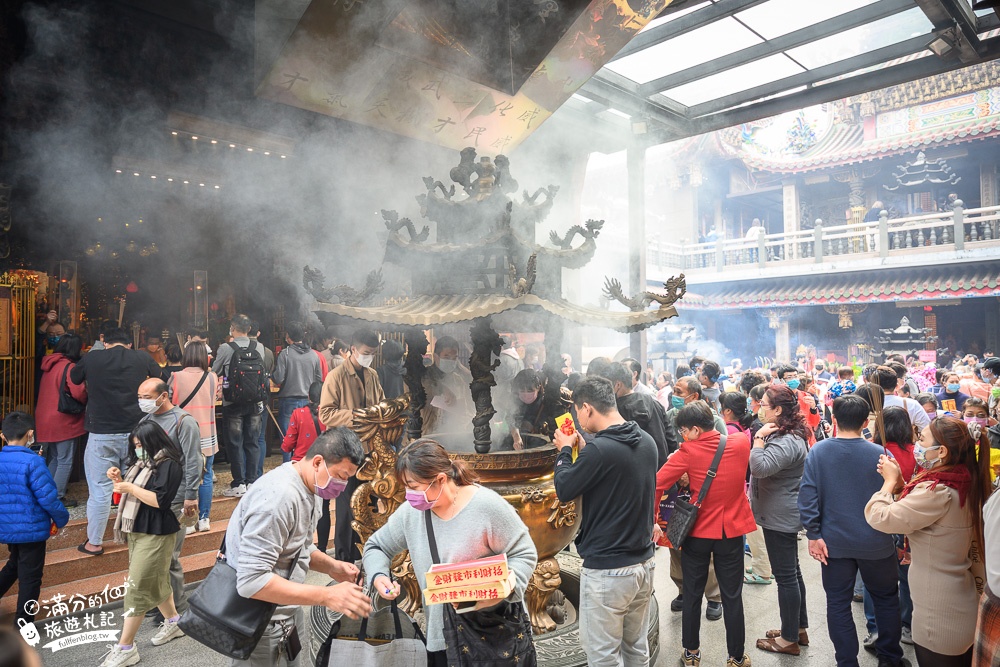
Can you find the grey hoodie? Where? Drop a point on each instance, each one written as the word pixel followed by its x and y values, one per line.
pixel 297 367
pixel 776 474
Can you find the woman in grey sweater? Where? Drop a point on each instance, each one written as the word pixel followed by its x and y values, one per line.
pixel 777 460
pixel 469 521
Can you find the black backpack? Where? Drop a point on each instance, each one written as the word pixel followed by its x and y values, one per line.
pixel 247 380
pixel 67 404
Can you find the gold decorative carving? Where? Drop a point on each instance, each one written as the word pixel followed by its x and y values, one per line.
pixel 545 580
pixel 563 514
pixel 965 80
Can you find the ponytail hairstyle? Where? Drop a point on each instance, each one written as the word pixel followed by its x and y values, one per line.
pixel 886 379
pixel 736 402
pixel 964 450
pixel 790 420
pixel 424 459
pixel 898 428
pixel 315 394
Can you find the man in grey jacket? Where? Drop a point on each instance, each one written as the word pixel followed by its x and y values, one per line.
pixel 182 428
pixel 297 367
pixel 269 544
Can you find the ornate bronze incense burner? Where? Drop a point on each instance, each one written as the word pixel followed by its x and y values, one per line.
pixel 483 264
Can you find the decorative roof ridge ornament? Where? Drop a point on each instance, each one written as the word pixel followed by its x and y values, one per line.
pixel 394 223
pixel 592 231
pixel 675 286
pixel 313 281
pixel 922 171
pixel 550 194
pixel 521 285
pixel 432 184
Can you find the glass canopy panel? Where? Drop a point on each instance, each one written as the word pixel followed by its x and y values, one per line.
pixel 779 17
pixel 699 46
pixel 670 17
pixel 863 39
pixel 735 80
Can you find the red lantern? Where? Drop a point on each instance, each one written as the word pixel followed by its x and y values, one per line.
pixel 131 288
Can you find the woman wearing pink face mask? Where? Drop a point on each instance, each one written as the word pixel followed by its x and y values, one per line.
pixel 469 522
pixel 977 412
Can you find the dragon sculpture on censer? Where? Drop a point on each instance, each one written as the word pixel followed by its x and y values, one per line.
pixel 380 493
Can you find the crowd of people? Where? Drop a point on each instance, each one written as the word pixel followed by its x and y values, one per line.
pixel 884 471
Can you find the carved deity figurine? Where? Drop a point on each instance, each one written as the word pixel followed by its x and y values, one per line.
pixel 486 172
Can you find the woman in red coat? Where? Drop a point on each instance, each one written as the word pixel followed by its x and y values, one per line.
pixel 724 518
pixel 56 431
pixel 303 429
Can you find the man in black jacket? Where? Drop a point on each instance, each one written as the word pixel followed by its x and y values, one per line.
pixel 113 376
pixel 615 475
pixel 644 410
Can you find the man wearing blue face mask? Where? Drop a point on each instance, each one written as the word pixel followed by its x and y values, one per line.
pixel 269 543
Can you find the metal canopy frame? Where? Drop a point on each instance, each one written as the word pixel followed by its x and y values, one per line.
pixel 956 32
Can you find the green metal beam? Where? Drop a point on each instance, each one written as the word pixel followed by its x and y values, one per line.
pixel 686 23
pixel 828 28
pixel 811 77
pixel 835 90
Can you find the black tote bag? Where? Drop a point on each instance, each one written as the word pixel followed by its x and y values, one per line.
pixel 222 619
pixel 685 514
pixel 497 637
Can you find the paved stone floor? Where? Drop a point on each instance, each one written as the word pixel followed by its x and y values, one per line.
pixel 760 603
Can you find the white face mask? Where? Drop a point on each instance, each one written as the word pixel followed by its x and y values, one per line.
pixel 148 405
pixel 448 365
pixel 365 360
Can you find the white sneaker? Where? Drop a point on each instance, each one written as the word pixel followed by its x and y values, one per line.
pixel 203 526
pixel 189 530
pixel 235 491
pixel 167 632
pixel 869 641
pixel 907 637
pixel 116 657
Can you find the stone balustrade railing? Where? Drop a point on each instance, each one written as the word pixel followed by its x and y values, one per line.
pixel 957 230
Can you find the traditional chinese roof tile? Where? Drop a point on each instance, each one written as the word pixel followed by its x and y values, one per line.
pixel 427 311
pixel 950 282
pixel 844 146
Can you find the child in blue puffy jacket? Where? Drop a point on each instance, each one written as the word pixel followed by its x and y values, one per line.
pixel 29 505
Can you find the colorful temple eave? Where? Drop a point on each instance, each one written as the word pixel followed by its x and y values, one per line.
pixel 842 147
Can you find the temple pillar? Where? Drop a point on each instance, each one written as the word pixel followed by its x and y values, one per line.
pixel 987 184
pixel 636 168
pixel 790 213
pixel 777 321
pixel 782 342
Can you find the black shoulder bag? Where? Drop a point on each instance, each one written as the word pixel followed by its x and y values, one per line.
pixel 67 404
pixel 685 514
pixel 194 393
pixel 222 619
pixel 497 637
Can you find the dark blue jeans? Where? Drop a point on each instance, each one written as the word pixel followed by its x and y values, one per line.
pixel 905 603
pixel 242 431
pixel 783 552
pixel 881 579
